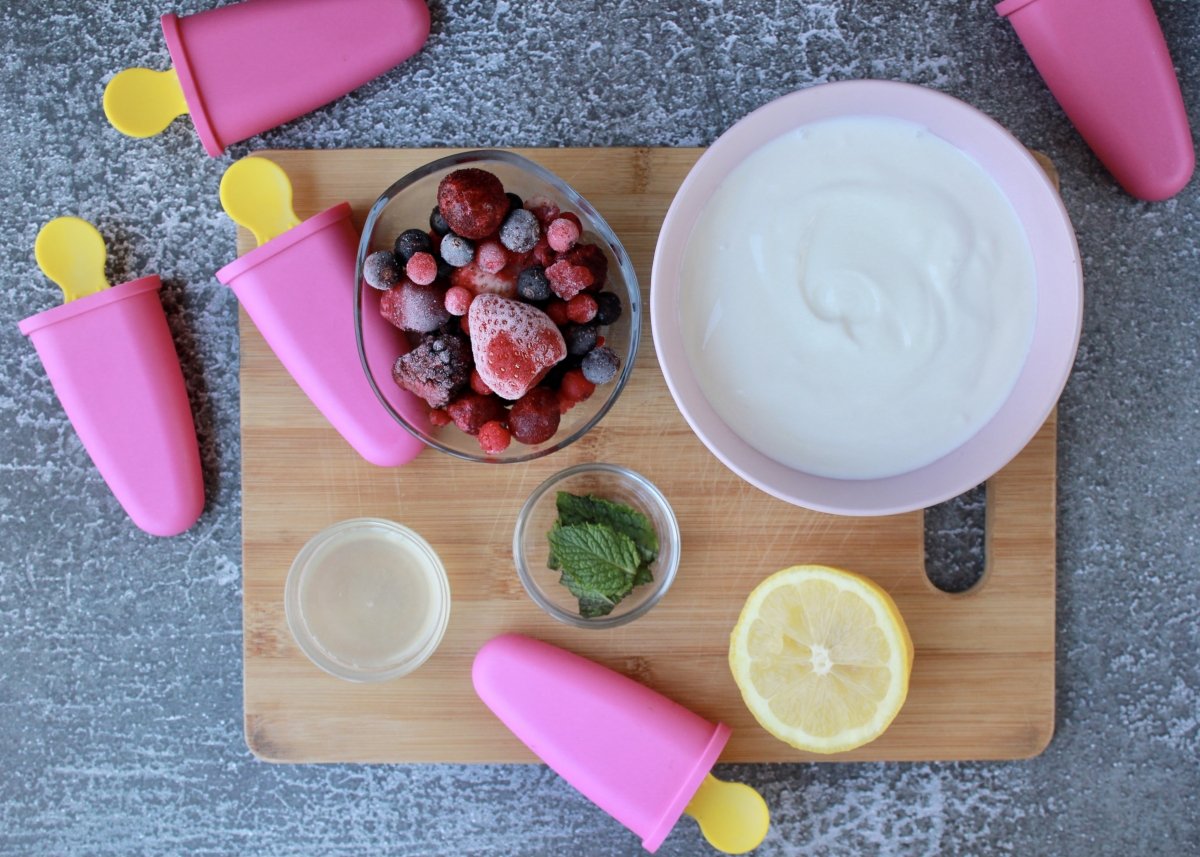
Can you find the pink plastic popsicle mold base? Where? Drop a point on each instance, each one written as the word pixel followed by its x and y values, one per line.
pixel 298 288
pixel 250 66
pixel 655 753
pixel 1107 63
pixel 113 365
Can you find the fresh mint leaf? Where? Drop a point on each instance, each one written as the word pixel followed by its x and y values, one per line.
pixel 623 519
pixel 592 603
pixel 596 557
pixel 643 575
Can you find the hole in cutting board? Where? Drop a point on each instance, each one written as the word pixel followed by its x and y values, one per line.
pixel 955 556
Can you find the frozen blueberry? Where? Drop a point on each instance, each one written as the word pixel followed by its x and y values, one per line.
pixel 381 270
pixel 609 308
pixel 514 201
pixel 438 223
pixel 533 285
pixel 445 269
pixel 600 365
pixel 457 251
pixel 581 338
pixel 520 231
pixel 412 242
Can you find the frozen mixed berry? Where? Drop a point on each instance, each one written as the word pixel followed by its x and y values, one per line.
pixel 600 365
pixel 562 234
pixel 532 284
pixel 514 201
pixel 438 417
pixel 436 370
pixel 543 209
pixel 456 250
pixel 535 416
pixel 471 411
pixel 411 242
pixel 591 257
pixel 491 257
pixel 438 223
pixel 418 308
pixel 481 282
pixel 381 270
pixel 581 338
pixel 422 269
pixel 575 386
pixel 458 300
pixel 543 254
pixel 557 310
pixel 473 202
pixel 568 280
pixel 520 231
pixel 582 308
pixel 478 384
pixel 514 344
pixel 608 308
pixel 493 437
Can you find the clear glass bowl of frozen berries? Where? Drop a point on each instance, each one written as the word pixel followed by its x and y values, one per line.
pixel 516 311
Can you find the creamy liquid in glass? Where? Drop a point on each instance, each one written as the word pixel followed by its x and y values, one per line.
pixel 857 298
pixel 369 598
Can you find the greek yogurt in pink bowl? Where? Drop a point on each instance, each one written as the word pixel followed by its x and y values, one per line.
pixel 866 298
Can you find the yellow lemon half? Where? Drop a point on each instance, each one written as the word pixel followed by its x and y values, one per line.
pixel 822 658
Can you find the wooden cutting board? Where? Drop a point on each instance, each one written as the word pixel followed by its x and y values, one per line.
pixel 983 679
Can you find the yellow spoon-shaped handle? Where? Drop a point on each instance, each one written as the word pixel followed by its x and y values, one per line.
pixel 142 102
pixel 257 194
pixel 733 817
pixel 71 252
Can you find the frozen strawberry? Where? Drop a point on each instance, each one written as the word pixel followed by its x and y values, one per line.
pixel 491 257
pixel 568 280
pixel 473 202
pixel 419 308
pixel 591 257
pixel 535 416
pixel 470 411
pixel 493 437
pixel 514 344
pixel 480 282
pixel 436 370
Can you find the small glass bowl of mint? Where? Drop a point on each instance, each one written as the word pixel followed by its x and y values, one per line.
pixel 596 545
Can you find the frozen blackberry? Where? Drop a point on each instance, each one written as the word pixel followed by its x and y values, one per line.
pixel 381 270
pixel 520 231
pixel 438 223
pixel 436 370
pixel 609 308
pixel 600 365
pixel 411 242
pixel 532 284
pixel 581 338
pixel 457 251
pixel 514 201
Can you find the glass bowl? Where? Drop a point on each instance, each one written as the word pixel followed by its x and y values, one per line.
pixel 531 550
pixel 406 205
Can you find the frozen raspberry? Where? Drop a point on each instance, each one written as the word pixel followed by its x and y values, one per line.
pixel 491 257
pixel 514 344
pixel 557 310
pixel 470 411
pixel 600 365
pixel 381 270
pixel 456 250
pixel 493 437
pixel 568 280
pixel 435 370
pixel 580 338
pixel 458 300
pixel 438 417
pixel 520 231
pixel 562 234
pixel 576 386
pixel 473 202
pixel 479 282
pixel 581 308
pixel 532 284
pixel 608 308
pixel 422 268
pixel 535 416
pixel 478 384
pixel 591 257
pixel 542 208
pixel 411 242
pixel 409 306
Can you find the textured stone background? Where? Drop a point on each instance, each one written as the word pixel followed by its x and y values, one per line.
pixel 120 677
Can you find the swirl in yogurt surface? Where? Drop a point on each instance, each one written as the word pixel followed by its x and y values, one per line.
pixel 858 298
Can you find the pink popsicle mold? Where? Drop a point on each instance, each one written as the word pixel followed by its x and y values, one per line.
pixel 113 366
pixel 248 67
pixel 298 289
pixel 1107 63
pixel 654 754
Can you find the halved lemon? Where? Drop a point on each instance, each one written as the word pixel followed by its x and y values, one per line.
pixel 822 658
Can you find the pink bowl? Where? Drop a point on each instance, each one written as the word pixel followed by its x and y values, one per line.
pixel 1058 286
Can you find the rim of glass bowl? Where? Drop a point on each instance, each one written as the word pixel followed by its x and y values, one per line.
pixel 603 231
pixel 666 575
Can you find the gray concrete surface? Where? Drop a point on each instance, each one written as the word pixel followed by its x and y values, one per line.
pixel 120 675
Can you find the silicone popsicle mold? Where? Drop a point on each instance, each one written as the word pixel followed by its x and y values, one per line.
pixel 1107 64
pixel 250 66
pixel 634 753
pixel 113 365
pixel 299 290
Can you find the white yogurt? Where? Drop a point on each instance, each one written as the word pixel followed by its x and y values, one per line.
pixel 858 298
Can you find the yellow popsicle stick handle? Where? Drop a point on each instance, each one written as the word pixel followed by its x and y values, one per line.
pixel 733 817
pixel 142 102
pixel 256 193
pixel 71 253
